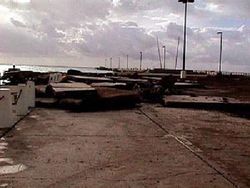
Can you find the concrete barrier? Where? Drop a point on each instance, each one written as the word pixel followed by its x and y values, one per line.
pixel 30 92
pixel 16 94
pixel 22 97
pixel 6 115
pixel 21 100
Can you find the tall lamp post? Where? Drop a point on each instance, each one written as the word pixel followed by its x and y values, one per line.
pixel 127 62
pixel 220 62
pixel 140 60
pixel 183 72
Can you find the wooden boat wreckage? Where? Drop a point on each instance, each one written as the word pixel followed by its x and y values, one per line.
pixel 88 90
pixel 105 90
pixel 76 84
pixel 84 97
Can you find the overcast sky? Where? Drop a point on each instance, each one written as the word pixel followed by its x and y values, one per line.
pixel 87 32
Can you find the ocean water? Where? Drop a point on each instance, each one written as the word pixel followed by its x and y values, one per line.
pixel 49 68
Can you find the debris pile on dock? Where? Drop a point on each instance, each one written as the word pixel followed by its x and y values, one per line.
pixel 99 90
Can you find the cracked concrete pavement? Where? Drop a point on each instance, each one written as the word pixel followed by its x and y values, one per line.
pixel 142 147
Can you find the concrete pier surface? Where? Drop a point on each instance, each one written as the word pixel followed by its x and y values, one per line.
pixel 150 146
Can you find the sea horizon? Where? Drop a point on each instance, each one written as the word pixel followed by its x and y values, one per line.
pixel 47 68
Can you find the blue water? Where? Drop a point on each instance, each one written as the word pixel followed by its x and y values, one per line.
pixel 49 68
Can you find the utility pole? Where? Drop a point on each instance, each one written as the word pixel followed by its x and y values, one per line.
pixel 183 73
pixel 164 56
pixel 127 61
pixel 119 63
pixel 140 60
pixel 221 46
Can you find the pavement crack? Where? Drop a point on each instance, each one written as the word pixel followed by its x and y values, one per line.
pixel 101 136
pixel 189 148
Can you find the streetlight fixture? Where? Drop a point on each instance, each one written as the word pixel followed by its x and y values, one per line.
pixel 220 62
pixel 183 72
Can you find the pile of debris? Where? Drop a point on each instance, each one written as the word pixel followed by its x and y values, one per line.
pixel 99 90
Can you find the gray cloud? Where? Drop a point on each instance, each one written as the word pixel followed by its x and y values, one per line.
pixel 233 8
pixel 100 28
pixel 118 38
pixel 16 42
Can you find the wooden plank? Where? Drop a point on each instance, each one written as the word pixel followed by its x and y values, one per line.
pixel 70 85
pixel 89 79
pixel 74 90
pixel 183 85
pixel 131 80
pixel 56 90
pixel 152 78
pixel 198 99
pixel 108 84
pixel 204 102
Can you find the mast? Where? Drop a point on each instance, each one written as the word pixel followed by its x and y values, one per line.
pixel 159 52
pixel 164 57
pixel 177 53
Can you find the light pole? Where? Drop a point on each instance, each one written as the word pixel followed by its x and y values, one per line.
pixel 119 63
pixel 140 60
pixel 164 56
pixel 127 61
pixel 111 66
pixel 183 72
pixel 221 43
